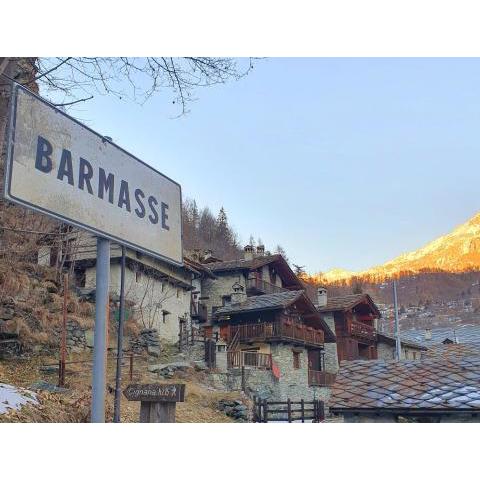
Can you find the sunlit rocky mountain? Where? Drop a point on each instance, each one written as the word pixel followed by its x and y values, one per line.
pixel 455 252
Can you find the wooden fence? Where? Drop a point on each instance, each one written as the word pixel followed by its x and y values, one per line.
pixel 320 378
pixel 240 359
pixel 265 411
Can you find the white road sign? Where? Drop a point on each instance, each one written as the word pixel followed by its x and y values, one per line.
pixel 59 167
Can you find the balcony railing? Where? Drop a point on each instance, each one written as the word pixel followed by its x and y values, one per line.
pixel 360 330
pixel 320 379
pixel 257 286
pixel 240 359
pixel 281 330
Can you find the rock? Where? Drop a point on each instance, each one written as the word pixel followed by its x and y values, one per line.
pixel 51 287
pixel 6 313
pixel 154 351
pixel 48 387
pixel 200 366
pixel 49 368
pixel 89 334
pixel 169 367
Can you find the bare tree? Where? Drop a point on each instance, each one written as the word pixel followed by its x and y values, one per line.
pixel 66 81
pixel 70 80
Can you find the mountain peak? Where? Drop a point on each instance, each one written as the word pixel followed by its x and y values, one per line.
pixel 455 252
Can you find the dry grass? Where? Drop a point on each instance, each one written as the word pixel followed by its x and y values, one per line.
pixel 200 405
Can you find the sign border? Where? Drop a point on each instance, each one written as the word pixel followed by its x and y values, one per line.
pixel 99 233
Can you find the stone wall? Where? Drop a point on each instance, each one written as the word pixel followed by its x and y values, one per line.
pixel 293 382
pixel 331 355
pixel 76 339
pixel 214 289
pixel 150 297
pixel 386 351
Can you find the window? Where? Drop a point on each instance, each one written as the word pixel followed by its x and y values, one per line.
pixel 296 360
pixel 273 276
pixel 221 348
pixel 226 300
pixel 165 314
pixel 138 276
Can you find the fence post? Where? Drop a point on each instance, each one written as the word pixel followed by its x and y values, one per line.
pixel 63 348
pixel 289 405
pixel 302 405
pixel 131 366
pixel 321 408
pixel 265 411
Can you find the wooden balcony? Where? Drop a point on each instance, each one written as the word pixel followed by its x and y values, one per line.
pixel 199 312
pixel 320 379
pixel 240 359
pixel 285 330
pixel 360 330
pixel 257 286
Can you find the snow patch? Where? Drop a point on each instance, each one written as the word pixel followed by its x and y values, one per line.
pixel 15 397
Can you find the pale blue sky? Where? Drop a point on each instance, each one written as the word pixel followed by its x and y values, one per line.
pixel 344 162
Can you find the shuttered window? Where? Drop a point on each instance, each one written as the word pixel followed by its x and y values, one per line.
pixel 296 360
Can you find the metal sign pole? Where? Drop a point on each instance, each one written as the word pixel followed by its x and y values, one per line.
pixel 101 305
pixel 397 326
pixel 121 319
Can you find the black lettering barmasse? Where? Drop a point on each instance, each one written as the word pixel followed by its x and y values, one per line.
pixel 65 168
pixel 106 182
pixel 165 216
pixel 84 177
pixel 124 196
pixel 152 202
pixel 43 161
pixel 139 196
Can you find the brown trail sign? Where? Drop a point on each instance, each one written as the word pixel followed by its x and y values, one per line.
pixel 158 400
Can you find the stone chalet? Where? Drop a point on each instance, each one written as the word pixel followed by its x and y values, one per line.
pixel 267 327
pixel 354 320
pixel 159 295
pixel 433 390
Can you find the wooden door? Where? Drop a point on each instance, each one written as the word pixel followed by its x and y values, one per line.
pixel 314 360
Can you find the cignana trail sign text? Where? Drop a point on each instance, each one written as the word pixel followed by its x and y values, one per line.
pixel 59 167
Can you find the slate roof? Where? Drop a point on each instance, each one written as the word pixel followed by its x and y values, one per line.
pixel 346 302
pixel 276 301
pixel 464 334
pixel 242 264
pixel 383 337
pixel 272 301
pixel 431 384
pixel 452 350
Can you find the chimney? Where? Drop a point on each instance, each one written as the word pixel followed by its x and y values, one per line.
pixel 248 252
pixel 238 294
pixel 260 250
pixel 321 297
pixel 428 334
